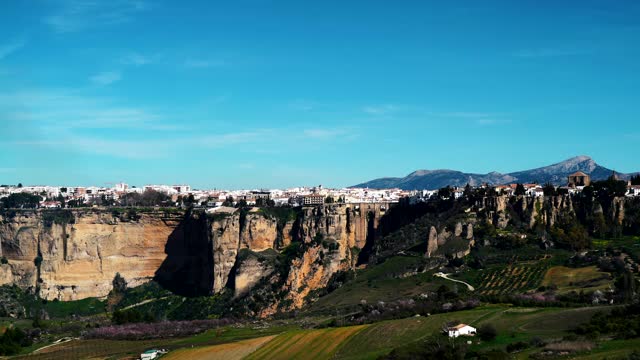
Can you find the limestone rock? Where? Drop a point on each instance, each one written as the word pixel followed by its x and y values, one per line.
pixel 259 232
pixel 432 242
pixel 249 272
pixel 469 232
pixel 226 242
pixel 458 229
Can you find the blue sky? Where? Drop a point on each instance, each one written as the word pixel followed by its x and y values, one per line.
pixel 250 94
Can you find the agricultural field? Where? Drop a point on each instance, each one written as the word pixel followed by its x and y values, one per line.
pixel 229 351
pixel 350 343
pixel 577 279
pixel 82 349
pixel 513 278
pixel 310 344
pixel 394 279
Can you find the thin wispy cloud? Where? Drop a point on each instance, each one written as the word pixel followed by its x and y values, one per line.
pixel 466 115
pixel 380 109
pixel 137 59
pixel 479 118
pixel 204 63
pixel 549 52
pixel 106 78
pixel 322 133
pixel 78 15
pixel 11 47
pixel 54 109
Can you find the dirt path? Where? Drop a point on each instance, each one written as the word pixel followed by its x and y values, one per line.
pixel 231 351
pixel 445 276
pixel 142 303
pixel 55 343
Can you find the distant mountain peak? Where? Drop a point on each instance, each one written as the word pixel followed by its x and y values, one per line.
pixel 434 179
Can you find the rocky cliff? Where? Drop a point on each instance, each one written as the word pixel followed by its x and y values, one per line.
pixel 75 254
pixel 69 255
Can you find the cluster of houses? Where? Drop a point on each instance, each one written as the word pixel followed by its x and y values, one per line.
pixel 299 196
pixel 53 196
pixel 576 182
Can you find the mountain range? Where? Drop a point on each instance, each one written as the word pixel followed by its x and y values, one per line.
pixel 435 179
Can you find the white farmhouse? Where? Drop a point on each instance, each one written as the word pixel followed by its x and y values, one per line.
pixel 150 354
pixel 461 330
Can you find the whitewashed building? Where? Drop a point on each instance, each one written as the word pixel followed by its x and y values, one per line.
pixel 461 330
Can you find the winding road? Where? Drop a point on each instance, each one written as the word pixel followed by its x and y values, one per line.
pixel 445 276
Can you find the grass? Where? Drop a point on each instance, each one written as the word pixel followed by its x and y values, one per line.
pixel 391 280
pixel 513 324
pixel 613 349
pixel 84 307
pixel 284 340
pixel 309 344
pixel 569 279
pixel 394 333
pixel 230 351
pixel 81 349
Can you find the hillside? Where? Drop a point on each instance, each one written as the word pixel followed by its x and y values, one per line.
pixel 435 179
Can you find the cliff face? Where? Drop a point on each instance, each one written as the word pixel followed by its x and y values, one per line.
pixel 544 211
pixel 69 261
pixel 77 255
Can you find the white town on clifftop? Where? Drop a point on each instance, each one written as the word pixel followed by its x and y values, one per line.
pixel 53 196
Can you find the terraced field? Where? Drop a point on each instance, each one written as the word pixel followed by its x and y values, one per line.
pixel 512 278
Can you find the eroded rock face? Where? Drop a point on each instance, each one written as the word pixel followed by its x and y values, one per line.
pixel 259 232
pixel 80 259
pixel 432 241
pixel 249 272
pixel 225 234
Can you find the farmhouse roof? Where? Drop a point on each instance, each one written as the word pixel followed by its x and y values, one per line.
pixel 458 327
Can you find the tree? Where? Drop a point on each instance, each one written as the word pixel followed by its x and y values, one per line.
pixel 487 332
pixel 228 201
pixel 19 185
pixel 21 200
pixel 60 198
pixel 445 192
pixel 635 180
pixel 468 192
pixel 154 198
pixel 520 190
pixel 549 189
pixel 119 284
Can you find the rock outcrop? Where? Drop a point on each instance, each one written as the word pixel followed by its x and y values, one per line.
pixel 225 234
pixel 249 271
pixel 432 242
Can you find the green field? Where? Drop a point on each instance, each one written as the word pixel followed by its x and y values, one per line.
pixel 355 342
pixel 577 279
pixel 384 282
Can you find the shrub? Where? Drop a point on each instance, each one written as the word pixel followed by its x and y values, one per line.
pixel 487 332
pixel 517 346
pixel 157 330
